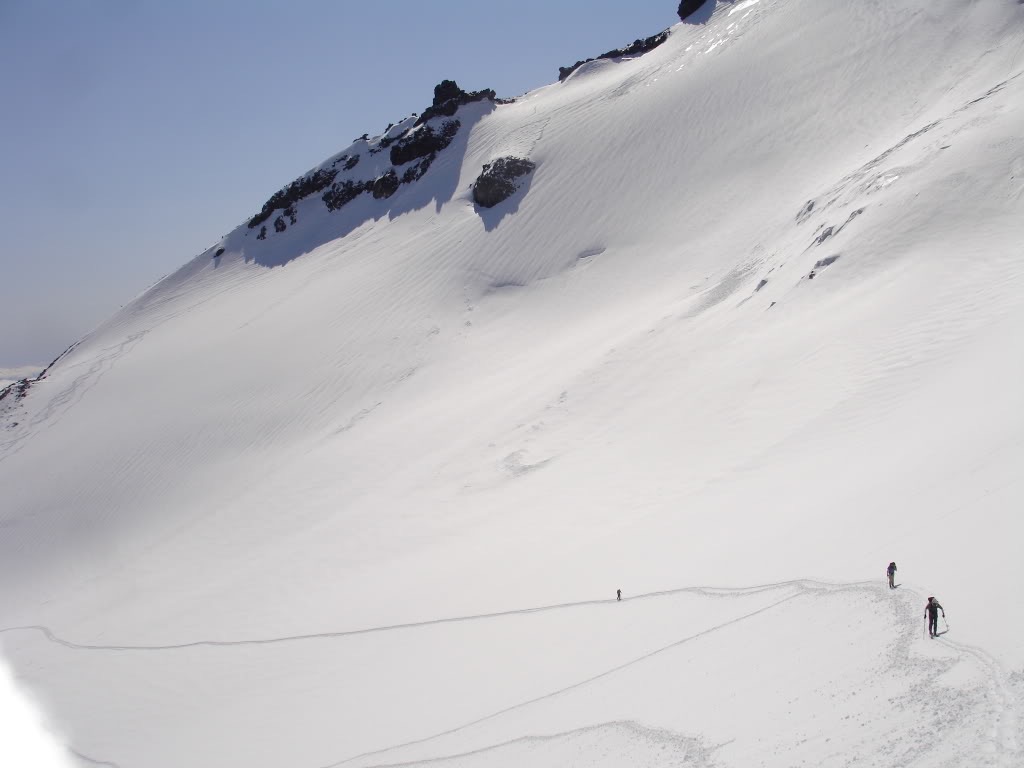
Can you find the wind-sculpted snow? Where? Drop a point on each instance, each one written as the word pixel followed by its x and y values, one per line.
pixel 754 317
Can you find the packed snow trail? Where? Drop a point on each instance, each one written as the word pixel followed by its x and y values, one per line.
pixel 709 591
pixel 999 747
pixel 985 695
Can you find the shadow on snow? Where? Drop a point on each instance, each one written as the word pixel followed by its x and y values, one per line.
pixel 317 225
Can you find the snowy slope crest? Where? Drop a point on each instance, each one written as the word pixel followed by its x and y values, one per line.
pixel 361 492
pixel 358 184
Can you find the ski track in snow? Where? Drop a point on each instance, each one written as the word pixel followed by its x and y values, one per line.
pixel 91 761
pixel 568 688
pixel 709 591
pixel 1000 747
pixel 1001 740
pixel 684 749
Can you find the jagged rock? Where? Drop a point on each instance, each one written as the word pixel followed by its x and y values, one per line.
pixel 298 189
pixel 416 170
pixel 423 142
pixel 636 48
pixel 343 193
pixel 688 8
pixel 19 389
pixel 448 97
pixel 386 185
pixel 386 142
pixel 445 90
pixel 497 181
pixel 418 145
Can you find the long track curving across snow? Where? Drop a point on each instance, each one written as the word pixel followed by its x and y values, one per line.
pixel 754 318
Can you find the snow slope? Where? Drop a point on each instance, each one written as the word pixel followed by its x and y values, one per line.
pixel 361 493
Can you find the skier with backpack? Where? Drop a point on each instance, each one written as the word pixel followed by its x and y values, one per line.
pixel 891 573
pixel 931 612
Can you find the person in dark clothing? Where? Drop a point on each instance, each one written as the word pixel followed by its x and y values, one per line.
pixel 891 572
pixel 618 594
pixel 931 612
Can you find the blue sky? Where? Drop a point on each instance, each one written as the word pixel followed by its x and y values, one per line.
pixel 134 133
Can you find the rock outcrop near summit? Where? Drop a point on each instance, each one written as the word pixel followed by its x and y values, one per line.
pixel 636 48
pixel 689 7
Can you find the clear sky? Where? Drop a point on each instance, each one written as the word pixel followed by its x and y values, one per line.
pixel 134 133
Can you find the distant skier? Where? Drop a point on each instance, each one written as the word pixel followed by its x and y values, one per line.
pixel 618 594
pixel 891 571
pixel 931 612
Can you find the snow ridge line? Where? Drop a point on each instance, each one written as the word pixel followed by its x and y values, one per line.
pixel 573 686
pixel 804 584
pixel 70 394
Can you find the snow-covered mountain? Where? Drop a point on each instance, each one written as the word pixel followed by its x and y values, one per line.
pixel 360 491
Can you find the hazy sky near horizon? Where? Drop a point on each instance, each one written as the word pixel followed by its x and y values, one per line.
pixel 135 133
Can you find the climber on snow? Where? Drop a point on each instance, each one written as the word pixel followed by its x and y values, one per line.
pixel 931 612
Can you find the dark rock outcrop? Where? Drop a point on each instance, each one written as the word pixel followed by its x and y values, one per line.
pixel 343 193
pixel 386 142
pixel 423 142
pixel 416 170
pixel 448 97
pixel 636 48
pixel 297 190
pixel 688 8
pixel 386 185
pixel 446 90
pixel 19 389
pixel 497 181
pixel 414 148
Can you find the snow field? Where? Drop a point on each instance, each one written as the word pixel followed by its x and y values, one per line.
pixel 781 674
pixel 626 377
